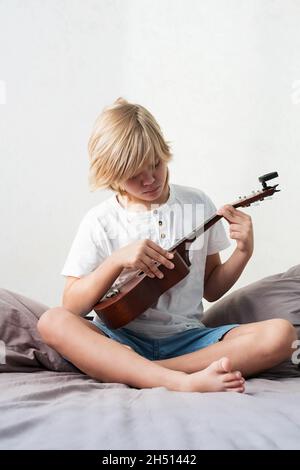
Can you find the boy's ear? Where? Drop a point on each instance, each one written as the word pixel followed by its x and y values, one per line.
pixel 122 191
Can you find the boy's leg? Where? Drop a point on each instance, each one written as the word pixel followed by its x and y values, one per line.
pixel 97 355
pixel 251 348
pixel 107 360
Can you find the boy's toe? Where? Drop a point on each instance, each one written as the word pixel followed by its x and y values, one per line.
pixel 222 365
pixel 236 389
pixel 230 376
pixel 234 384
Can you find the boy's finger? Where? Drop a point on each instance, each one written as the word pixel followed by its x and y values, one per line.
pixel 242 214
pixel 160 250
pixel 222 210
pixel 230 213
pixel 227 214
pixel 151 265
pixel 233 210
pixel 160 258
pixel 146 270
pixel 237 227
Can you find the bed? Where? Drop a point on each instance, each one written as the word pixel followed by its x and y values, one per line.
pixel 46 403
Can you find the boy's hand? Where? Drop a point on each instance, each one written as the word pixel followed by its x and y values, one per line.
pixel 144 255
pixel 240 228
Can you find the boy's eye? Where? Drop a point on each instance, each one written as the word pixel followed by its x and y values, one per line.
pixel 135 176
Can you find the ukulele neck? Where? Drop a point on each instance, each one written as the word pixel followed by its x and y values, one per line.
pixel 183 245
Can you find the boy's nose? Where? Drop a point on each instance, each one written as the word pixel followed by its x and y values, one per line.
pixel 148 178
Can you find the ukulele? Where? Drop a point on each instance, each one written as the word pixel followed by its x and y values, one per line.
pixel 124 303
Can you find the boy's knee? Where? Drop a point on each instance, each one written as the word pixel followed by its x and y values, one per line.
pixel 281 337
pixel 285 330
pixel 50 324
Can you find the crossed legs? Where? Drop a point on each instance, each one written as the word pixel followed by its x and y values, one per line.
pixel 107 360
pixel 244 351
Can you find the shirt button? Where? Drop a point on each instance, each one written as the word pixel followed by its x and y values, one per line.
pixel 160 222
pixel 155 211
pixel 163 235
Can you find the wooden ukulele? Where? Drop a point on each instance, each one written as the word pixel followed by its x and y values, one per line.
pixel 123 304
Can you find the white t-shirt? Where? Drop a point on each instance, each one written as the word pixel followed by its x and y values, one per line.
pixel 109 226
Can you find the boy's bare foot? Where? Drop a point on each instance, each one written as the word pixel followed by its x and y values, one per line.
pixel 217 377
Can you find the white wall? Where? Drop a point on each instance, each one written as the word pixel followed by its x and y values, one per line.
pixel 222 78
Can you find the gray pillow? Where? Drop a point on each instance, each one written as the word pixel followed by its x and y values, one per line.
pixel 22 348
pixel 276 296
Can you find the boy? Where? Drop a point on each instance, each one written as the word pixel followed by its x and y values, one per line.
pixel 167 345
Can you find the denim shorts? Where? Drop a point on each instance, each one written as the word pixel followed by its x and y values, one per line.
pixel 165 348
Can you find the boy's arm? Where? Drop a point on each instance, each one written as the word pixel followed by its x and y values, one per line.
pixel 81 294
pixel 219 278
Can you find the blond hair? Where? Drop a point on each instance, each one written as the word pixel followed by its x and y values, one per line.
pixel 125 137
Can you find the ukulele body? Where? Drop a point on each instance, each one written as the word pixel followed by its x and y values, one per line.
pixel 139 293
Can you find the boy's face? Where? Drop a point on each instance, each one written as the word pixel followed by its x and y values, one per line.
pixel 148 185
